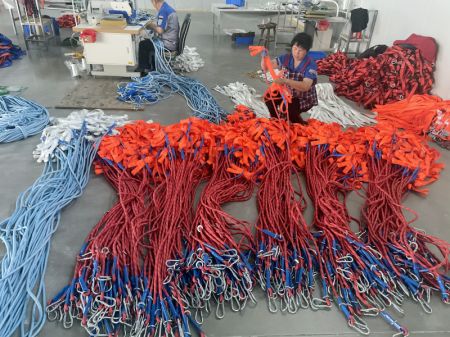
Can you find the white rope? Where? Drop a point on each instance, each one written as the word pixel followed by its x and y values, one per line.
pixel 189 61
pixel 332 109
pixel 266 77
pixel 60 132
pixel 240 93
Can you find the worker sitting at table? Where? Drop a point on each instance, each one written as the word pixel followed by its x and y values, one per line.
pixel 167 27
pixel 300 75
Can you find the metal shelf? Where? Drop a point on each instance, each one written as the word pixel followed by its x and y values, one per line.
pixel 345 39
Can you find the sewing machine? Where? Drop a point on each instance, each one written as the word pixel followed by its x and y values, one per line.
pixel 101 7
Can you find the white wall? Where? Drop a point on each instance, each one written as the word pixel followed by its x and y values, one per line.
pixel 198 5
pixel 397 19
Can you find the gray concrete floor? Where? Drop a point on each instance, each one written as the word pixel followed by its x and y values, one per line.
pixel 48 80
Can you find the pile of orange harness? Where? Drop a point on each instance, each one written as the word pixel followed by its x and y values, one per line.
pixel 419 114
pixel 144 145
pixel 391 76
pixel 157 261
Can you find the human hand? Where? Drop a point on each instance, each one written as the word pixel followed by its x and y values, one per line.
pixel 280 80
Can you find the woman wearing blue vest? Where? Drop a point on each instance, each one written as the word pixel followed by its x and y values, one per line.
pixel 300 75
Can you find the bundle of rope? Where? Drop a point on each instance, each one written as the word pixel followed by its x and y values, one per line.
pixel 150 287
pixel 189 61
pixel 20 118
pixel 163 83
pixel 286 250
pixel 332 109
pixel 8 52
pixel 154 265
pixel 352 272
pixel 394 75
pixel 27 232
pixel 410 254
pixel 242 94
pixel 216 262
pixel 107 277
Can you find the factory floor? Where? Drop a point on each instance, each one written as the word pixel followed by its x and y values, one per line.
pixel 47 80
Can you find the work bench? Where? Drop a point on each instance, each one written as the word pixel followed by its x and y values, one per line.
pixel 114 48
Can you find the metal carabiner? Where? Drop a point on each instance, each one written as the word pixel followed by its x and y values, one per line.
pixel 67 320
pixel 252 297
pixel 54 314
pixel 235 304
pixel 272 304
pixel 425 306
pixel 292 305
pixel 302 300
pixel 283 303
pixel 199 316
pixel 359 325
pixel 220 310
pixel 345 273
pixel 319 304
pixel 370 311
pixel 397 296
pixel 386 300
pixel 345 259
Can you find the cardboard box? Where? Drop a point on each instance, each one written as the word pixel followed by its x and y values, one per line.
pixel 116 23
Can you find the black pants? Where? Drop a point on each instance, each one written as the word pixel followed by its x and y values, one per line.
pixel 294 111
pixel 146 55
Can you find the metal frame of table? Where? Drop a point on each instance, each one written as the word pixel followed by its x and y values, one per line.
pixel 217 12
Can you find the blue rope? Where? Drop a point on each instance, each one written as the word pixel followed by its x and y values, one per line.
pixel 163 83
pixel 8 52
pixel 27 232
pixel 20 118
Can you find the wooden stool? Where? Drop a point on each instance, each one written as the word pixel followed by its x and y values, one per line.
pixel 266 35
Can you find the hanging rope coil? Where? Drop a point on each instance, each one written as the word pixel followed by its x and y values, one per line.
pixel 20 118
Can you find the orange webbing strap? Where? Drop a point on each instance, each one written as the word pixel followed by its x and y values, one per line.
pixel 274 91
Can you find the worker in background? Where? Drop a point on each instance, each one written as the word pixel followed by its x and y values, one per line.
pixel 300 75
pixel 167 27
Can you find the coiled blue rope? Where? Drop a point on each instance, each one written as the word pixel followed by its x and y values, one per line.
pixel 26 235
pixel 163 83
pixel 20 118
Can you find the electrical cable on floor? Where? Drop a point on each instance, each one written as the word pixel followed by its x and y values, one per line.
pixel 72 145
pixel 20 118
pixel 242 94
pixel 163 83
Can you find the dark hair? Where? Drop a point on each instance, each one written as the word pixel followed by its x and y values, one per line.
pixel 303 40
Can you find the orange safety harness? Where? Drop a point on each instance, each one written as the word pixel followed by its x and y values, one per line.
pixel 275 90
